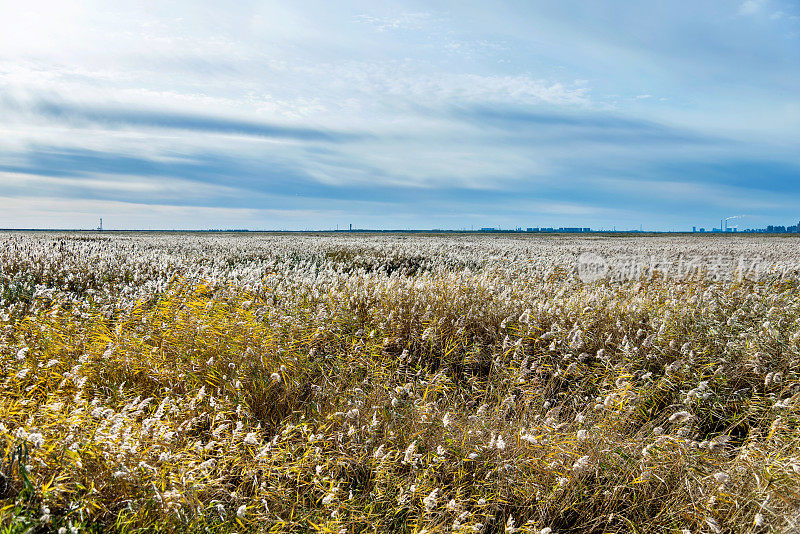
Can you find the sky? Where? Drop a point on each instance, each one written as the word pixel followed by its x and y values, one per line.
pixel 399 114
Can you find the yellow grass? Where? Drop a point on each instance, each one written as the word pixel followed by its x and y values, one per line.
pixel 406 404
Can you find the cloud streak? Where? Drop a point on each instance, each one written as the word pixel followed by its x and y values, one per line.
pixel 579 126
pixel 120 117
pixel 522 114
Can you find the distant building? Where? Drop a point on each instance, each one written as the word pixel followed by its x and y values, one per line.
pixel 561 229
pixel 775 229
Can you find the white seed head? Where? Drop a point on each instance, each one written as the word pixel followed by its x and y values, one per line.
pixel 431 500
pixel 680 417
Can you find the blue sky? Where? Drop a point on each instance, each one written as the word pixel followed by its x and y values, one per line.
pixel 295 115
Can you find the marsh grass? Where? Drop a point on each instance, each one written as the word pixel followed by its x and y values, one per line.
pixel 400 402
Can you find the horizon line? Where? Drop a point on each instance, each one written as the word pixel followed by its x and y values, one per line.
pixel 395 230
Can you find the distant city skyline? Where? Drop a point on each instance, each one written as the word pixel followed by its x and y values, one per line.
pixel 442 114
pixel 778 229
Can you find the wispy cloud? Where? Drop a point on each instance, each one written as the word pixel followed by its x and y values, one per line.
pixel 402 21
pixel 751 7
pixel 120 117
pixel 42 211
pixel 580 126
pixel 532 113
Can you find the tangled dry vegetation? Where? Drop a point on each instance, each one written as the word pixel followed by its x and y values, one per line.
pixel 275 384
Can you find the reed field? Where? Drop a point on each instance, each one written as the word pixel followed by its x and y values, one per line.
pixel 351 383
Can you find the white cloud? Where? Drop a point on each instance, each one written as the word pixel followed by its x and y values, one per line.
pixel 717 195
pixel 403 21
pixel 751 7
pixel 51 212
pixel 165 188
